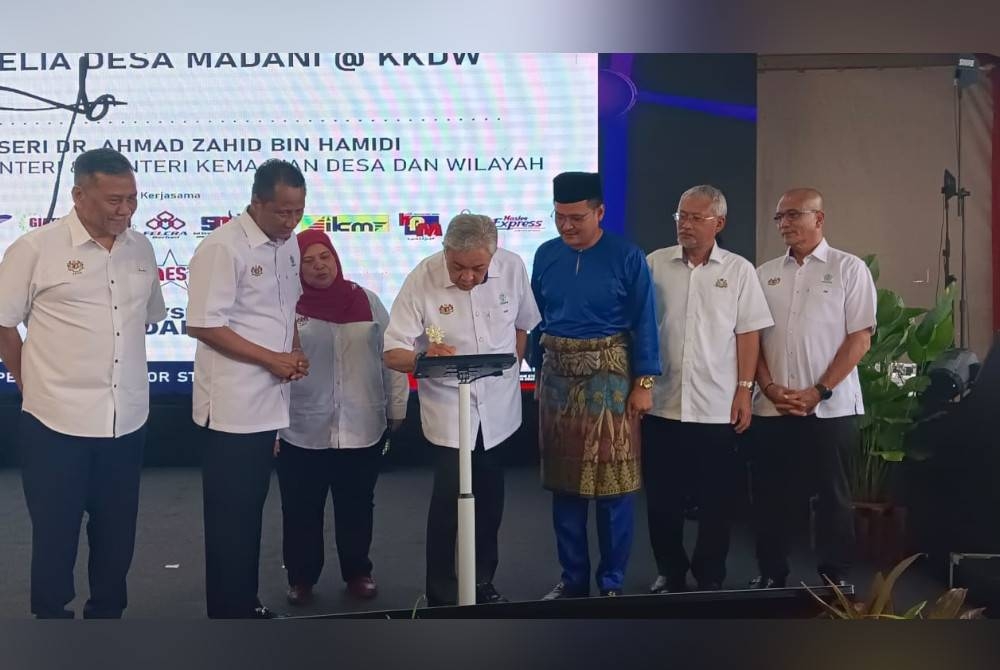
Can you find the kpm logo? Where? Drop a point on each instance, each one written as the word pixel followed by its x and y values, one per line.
pixel 420 226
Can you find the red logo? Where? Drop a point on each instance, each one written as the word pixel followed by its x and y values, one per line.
pixel 172 272
pixel 420 226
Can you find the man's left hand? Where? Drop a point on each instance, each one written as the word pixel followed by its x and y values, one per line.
pixel 809 397
pixel 639 402
pixel 740 413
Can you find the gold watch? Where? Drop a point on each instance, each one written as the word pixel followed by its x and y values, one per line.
pixel 646 382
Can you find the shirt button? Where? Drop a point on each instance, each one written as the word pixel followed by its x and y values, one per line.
pixel 116 360
pixel 480 339
pixel 477 313
pixel 116 306
pixel 118 334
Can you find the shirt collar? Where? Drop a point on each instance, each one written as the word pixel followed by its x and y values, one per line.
pixel 716 255
pixel 255 236
pixel 78 235
pixel 820 253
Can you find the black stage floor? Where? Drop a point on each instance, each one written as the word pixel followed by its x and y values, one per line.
pixel 167 576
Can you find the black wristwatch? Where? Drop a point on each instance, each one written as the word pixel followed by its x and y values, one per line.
pixel 824 392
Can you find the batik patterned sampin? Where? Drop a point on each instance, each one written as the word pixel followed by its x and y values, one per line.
pixel 588 446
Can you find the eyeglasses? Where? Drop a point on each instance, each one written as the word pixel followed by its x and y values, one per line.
pixel 571 218
pixel 693 218
pixel 793 214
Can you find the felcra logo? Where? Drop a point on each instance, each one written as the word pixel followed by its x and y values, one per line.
pixel 417 226
pixel 346 223
pixel 6 217
pixel 165 224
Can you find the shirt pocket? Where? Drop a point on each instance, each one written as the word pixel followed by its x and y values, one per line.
pixel 718 307
pixel 825 303
pixel 139 282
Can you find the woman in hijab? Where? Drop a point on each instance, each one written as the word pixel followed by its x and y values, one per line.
pixel 340 415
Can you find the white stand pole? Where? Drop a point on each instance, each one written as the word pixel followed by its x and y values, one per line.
pixel 466 541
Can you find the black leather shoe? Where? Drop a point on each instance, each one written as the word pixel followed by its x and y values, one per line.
pixel 763 582
pixel 664 584
pixel 606 593
pixel 487 593
pixel 560 590
pixel 261 612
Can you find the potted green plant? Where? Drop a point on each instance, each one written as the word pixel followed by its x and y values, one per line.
pixel 879 604
pixel 892 405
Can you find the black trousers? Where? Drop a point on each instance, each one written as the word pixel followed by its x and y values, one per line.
pixel 65 476
pixel 683 461
pixel 236 474
pixel 792 459
pixel 442 519
pixel 306 478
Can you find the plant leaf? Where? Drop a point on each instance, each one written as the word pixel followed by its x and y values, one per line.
pixel 914 612
pixel 842 599
pixel 976 613
pixel 878 583
pixel 871 260
pixel 828 607
pixel 948 605
pixel 890 582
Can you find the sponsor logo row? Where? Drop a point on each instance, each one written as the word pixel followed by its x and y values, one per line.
pixel 166 224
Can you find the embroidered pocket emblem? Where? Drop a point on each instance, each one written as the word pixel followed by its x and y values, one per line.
pixel 721 283
pixel 774 281
pixel 446 309
pixel 76 267
pixel 256 271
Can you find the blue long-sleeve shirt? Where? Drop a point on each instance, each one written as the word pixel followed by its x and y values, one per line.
pixel 597 292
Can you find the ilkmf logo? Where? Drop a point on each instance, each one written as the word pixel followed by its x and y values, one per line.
pixel 165 225
pixel 316 222
pixel 420 226
pixel 358 223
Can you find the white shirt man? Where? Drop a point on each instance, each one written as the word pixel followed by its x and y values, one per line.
pixel 699 312
pixel 85 286
pixel 480 321
pixel 243 286
pixel 815 305
pixel 84 362
pixel 709 309
pixel 472 298
pixel 806 412
pixel 244 280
